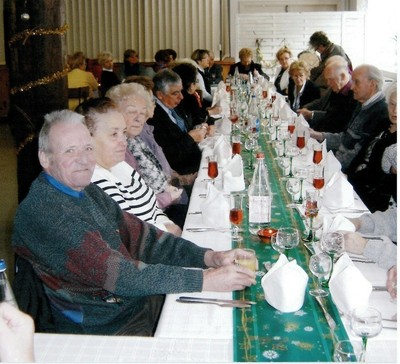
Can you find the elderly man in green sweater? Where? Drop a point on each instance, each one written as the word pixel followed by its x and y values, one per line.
pixel 104 270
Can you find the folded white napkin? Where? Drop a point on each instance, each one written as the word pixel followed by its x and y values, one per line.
pixel 286 112
pixel 223 126
pixel 337 222
pixel 338 193
pixel 300 121
pixel 220 98
pixel 348 287
pixel 223 150
pixel 285 285
pixel 233 178
pixel 215 208
pixel 331 163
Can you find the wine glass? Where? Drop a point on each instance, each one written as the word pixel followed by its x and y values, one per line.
pixel 236 215
pixel 287 238
pixel 276 124
pixel 284 135
pixel 320 265
pixel 366 322
pixel 234 114
pixel 301 140
pixel 275 245
pixel 301 173
pixel 333 245
pixel 291 152
pixel 251 144
pixel 291 125
pixel 317 153
pixel 212 167
pixel 284 163
pixel 348 351
pixel 314 223
pixel 318 178
pixel 236 144
pixel 311 211
pixel 293 187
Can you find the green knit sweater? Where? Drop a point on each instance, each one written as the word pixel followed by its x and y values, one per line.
pixel 85 249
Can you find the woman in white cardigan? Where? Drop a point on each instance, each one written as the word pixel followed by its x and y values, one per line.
pixel 281 83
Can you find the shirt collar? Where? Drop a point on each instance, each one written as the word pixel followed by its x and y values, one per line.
pixel 63 188
pixel 372 99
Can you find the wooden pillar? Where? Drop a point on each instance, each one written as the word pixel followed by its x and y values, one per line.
pixel 36 59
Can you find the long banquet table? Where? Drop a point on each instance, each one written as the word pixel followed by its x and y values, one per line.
pixel 209 333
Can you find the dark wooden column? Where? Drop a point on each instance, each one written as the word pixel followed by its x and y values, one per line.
pixel 36 58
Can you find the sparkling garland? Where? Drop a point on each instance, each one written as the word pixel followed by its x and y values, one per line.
pixel 37 32
pixel 41 81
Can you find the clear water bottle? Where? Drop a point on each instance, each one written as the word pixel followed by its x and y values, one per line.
pixel 254 112
pixel 6 293
pixel 260 197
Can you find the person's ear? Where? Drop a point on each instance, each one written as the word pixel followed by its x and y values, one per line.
pixel 44 159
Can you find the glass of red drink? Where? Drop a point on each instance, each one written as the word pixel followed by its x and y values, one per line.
pixel 317 155
pixel 212 167
pixel 291 125
pixel 236 144
pixel 301 140
pixel 236 215
pixel 318 178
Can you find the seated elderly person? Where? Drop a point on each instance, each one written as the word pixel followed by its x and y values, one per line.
pixel 202 61
pixel 116 177
pixel 171 130
pixel 332 112
pixel 104 270
pixel 281 83
pixel 374 185
pixel 368 119
pixel 301 90
pixel 108 77
pixel 383 252
pixel 246 65
pixel 213 72
pixel 135 104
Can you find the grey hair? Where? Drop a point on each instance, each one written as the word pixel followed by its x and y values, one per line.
pixel 121 92
pixel 374 74
pixel 164 79
pixel 390 91
pixel 54 118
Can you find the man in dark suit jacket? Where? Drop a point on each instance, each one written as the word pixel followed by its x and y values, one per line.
pixel 171 129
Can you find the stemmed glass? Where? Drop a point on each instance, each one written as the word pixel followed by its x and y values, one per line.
pixel 284 163
pixel 318 178
pixel 284 135
pixel 251 144
pixel 212 167
pixel 333 245
pixel 314 223
pixel 320 265
pixel 293 187
pixel 301 173
pixel 236 215
pixel 311 212
pixel 301 140
pixel 287 238
pixel 291 152
pixel 366 322
pixel 291 125
pixel 275 246
pixel 276 124
pixel 348 351
pixel 236 144
pixel 317 153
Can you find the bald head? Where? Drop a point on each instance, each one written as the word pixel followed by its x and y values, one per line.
pixel 337 74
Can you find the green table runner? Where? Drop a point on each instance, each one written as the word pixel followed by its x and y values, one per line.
pixel 261 333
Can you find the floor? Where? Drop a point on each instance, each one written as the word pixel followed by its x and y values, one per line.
pixel 8 194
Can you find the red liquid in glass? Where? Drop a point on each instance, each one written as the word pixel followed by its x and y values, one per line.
pixel 273 98
pixel 311 208
pixel 236 216
pixel 301 142
pixel 228 88
pixel 212 169
pixel 317 156
pixel 265 94
pixel 234 118
pixel 236 147
pixel 318 183
pixel 291 128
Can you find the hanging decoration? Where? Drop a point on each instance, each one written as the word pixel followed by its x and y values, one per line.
pixel 24 35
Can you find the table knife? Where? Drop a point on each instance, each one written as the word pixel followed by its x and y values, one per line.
pixel 221 304
pixel 202 229
pixel 328 317
pixel 218 300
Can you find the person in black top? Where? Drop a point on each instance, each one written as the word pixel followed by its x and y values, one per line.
pixel 108 77
pixel 247 65
pixel 213 72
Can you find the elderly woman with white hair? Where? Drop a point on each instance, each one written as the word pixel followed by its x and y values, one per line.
pixel 136 105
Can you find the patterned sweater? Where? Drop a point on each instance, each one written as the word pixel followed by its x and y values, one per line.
pixel 127 187
pixel 85 248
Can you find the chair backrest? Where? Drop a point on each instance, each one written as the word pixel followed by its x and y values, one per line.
pixel 80 93
pixel 31 297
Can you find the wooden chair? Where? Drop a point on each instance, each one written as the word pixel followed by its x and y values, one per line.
pixel 80 93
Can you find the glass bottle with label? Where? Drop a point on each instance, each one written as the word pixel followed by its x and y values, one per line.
pixel 260 197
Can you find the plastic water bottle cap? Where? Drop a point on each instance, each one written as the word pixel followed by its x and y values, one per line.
pixel 260 155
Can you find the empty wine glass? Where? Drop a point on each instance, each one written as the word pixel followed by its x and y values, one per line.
pixel 333 245
pixel 320 265
pixel 293 187
pixel 301 173
pixel 366 322
pixel 236 215
pixel 348 351
pixel 291 152
pixel 284 135
pixel 287 238
pixel 212 169
pixel 284 163
pixel 314 223
pixel 275 245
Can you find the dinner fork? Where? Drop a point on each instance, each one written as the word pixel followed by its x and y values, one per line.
pixel 221 304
